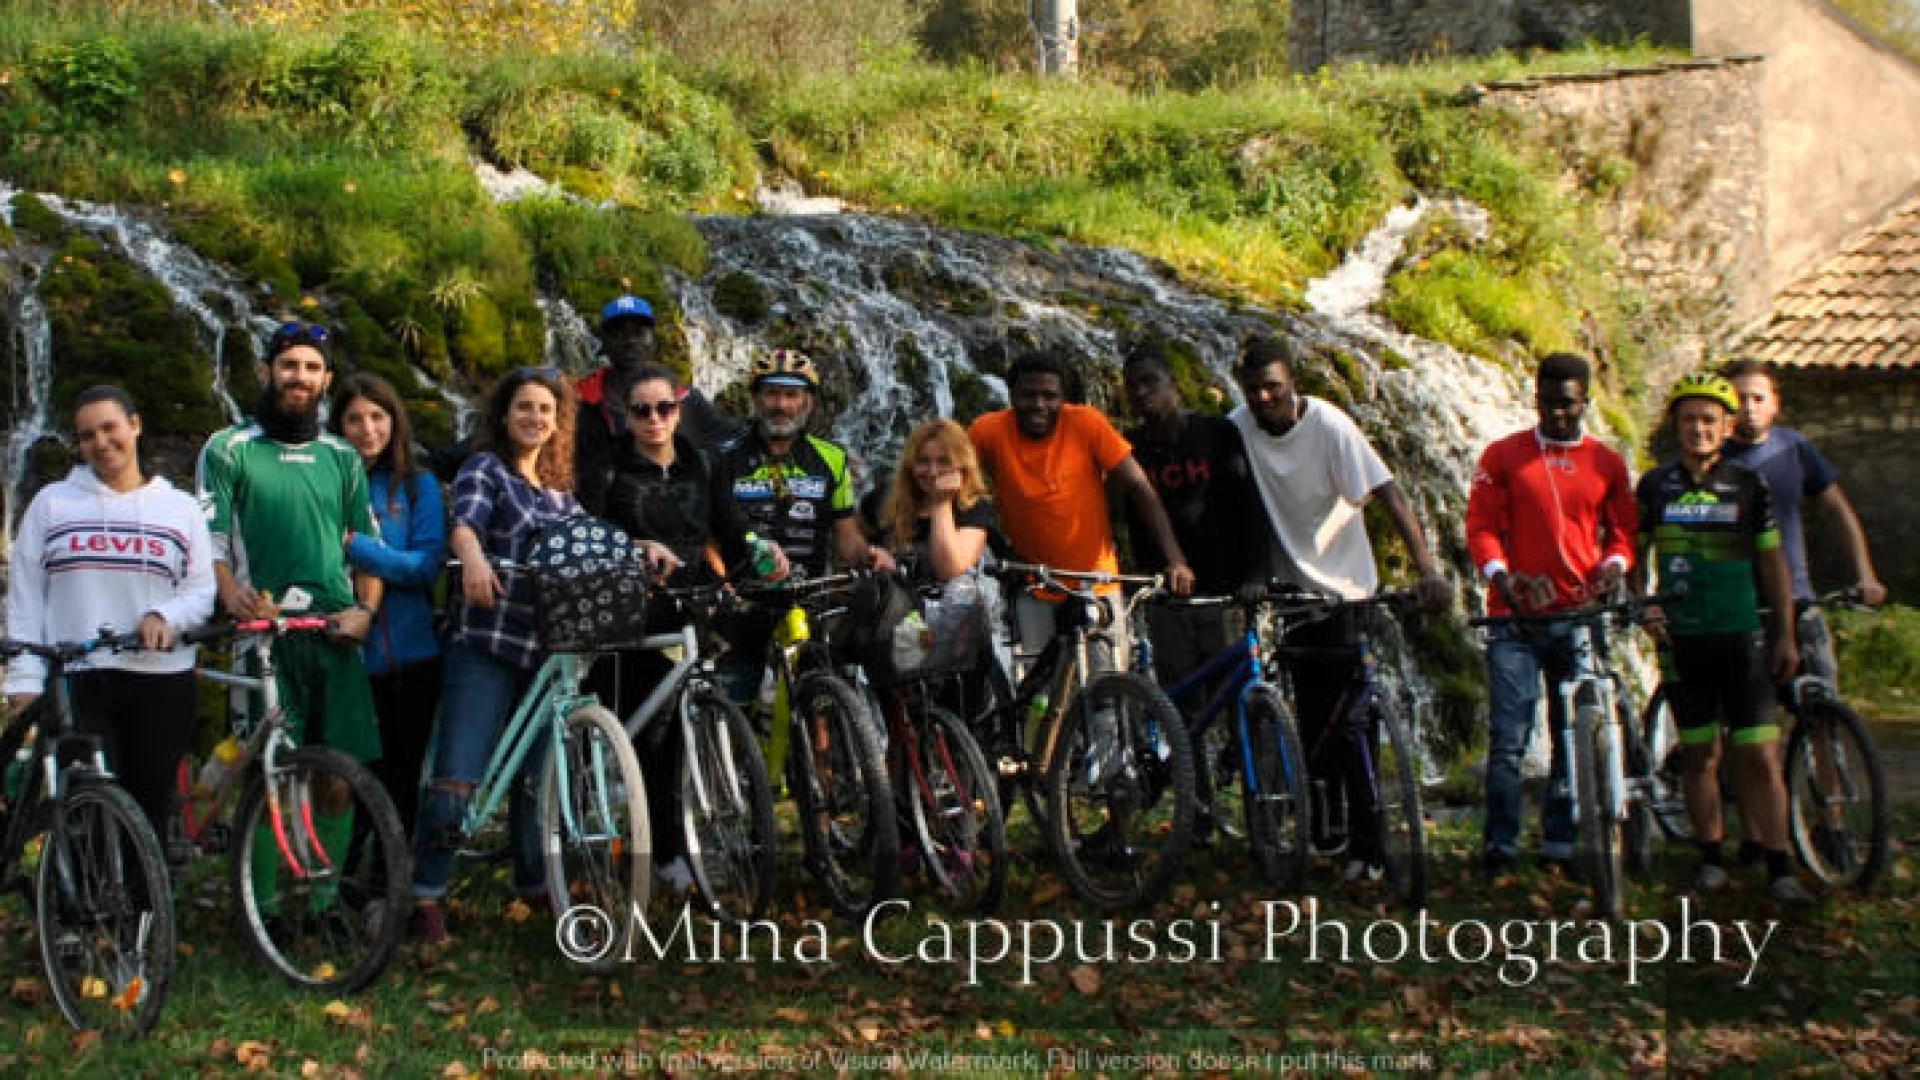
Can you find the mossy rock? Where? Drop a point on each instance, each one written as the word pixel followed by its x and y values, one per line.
pixel 477 338
pixel 113 324
pixel 740 296
pixel 32 217
pixel 972 396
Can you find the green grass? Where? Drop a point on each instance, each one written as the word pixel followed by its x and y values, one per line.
pixel 1832 992
pixel 1879 655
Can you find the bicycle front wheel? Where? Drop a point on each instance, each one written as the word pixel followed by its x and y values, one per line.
pixel 838 774
pixel 103 905
pixel 1120 793
pixel 950 792
pixel 1836 798
pixel 1274 790
pixel 726 807
pixel 1667 793
pixel 596 836
pixel 320 870
pixel 1599 829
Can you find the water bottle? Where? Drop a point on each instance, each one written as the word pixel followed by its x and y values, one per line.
pixel 17 770
pixel 760 555
pixel 226 754
pixel 763 703
pixel 1037 708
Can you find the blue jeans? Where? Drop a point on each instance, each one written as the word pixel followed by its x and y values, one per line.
pixel 478 698
pixel 1515 664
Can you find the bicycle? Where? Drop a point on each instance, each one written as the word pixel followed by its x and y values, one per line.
pixel 1107 750
pixel 1261 746
pixel 1836 785
pixel 726 799
pixel 944 790
pixel 1603 749
pixel 1365 742
pixel 595 833
pixel 316 854
pixel 837 772
pixel 101 897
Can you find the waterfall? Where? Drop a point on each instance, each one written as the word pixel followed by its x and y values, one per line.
pixel 570 344
pixel 30 382
pixel 215 298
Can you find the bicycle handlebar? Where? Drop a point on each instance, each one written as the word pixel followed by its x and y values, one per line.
pixel 65 652
pixel 1626 607
pixel 1051 578
pixel 284 624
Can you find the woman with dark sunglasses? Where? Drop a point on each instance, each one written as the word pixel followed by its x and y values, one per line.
pixel 666 490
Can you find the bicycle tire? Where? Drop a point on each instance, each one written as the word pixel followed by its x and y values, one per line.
pixel 335 927
pixel 1274 791
pixel 606 866
pixel 1121 830
pixel 731 844
pixel 107 940
pixel 955 808
pixel 1403 832
pixel 838 774
pixel 1668 801
pixel 1636 833
pixel 1599 829
pixel 1840 835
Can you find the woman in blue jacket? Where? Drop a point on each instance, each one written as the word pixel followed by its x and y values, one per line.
pixel 402 653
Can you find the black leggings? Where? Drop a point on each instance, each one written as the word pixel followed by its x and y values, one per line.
pixel 146 723
pixel 406 701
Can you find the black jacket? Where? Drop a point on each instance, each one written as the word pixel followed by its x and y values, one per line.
pixel 681 506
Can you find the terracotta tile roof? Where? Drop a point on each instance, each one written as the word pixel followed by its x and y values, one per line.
pixel 1861 309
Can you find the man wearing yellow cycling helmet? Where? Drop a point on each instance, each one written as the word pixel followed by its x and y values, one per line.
pixel 1711 524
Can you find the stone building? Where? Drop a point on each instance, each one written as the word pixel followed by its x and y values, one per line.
pixel 1845 344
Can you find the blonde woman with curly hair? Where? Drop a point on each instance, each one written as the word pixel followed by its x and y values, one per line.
pixel 938 516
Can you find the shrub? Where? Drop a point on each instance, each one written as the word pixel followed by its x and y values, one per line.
pixel 92 82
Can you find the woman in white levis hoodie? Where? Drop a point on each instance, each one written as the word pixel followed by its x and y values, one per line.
pixel 109 546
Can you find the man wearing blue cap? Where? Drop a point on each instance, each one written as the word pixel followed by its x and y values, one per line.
pixel 627 339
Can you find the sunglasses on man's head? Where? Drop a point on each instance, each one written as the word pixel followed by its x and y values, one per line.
pixel 291 334
pixel 641 410
pixel 548 372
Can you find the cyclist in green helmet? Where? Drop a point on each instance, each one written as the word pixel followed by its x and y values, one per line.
pixel 1707 525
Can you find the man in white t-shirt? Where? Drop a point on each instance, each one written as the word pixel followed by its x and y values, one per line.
pixel 1315 472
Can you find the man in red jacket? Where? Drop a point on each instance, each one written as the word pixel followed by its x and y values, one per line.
pixel 1550 524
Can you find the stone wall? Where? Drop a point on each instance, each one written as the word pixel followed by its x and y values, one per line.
pixel 1843 122
pixel 1328 31
pixel 1866 423
pixel 1676 159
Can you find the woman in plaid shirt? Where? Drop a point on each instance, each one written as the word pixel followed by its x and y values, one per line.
pixel 520 482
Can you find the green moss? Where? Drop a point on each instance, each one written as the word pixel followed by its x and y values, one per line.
pixel 739 295
pixel 32 217
pixel 477 338
pixel 971 395
pixel 112 324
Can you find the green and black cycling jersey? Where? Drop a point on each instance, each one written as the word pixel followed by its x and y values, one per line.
pixel 793 499
pixel 1706 537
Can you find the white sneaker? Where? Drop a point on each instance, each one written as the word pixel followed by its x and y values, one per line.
pixel 1360 870
pixel 676 876
pixel 1710 878
pixel 1789 892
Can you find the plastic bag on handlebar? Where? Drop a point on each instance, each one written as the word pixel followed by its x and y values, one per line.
pixel 590 586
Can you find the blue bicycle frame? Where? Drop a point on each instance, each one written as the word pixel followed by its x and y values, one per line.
pixel 1239 664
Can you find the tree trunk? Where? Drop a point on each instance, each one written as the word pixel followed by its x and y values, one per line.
pixel 1056 31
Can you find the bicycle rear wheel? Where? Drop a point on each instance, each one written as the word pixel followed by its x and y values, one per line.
pixel 103 905
pixel 596 836
pixel 1403 831
pixel 950 794
pixel 1667 795
pixel 838 774
pixel 1274 789
pixel 329 917
pixel 726 807
pixel 1600 831
pixel 1636 833
pixel 1836 798
pixel 1120 793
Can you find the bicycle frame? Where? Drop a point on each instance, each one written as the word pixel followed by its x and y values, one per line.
pixel 687 640
pixel 553 695
pixel 1243 672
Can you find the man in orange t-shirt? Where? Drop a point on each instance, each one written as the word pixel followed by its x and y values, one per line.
pixel 1049 461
